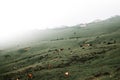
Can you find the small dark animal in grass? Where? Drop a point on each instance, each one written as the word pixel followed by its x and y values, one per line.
pixel 90 44
pixel 69 48
pixel 61 49
pixel 81 46
pixel 109 43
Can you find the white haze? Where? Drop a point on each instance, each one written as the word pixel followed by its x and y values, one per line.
pixel 19 16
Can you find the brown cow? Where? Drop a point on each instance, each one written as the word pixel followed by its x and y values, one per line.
pixel 30 76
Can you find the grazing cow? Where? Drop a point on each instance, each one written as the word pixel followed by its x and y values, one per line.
pixel 27 48
pixel 66 74
pixel 81 45
pixel 17 78
pixel 61 49
pixel 30 76
pixel 86 45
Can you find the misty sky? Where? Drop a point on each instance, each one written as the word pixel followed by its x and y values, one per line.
pixel 17 16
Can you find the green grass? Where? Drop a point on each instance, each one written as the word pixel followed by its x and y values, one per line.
pixel 45 60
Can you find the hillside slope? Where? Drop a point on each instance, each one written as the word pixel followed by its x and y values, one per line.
pixel 72 53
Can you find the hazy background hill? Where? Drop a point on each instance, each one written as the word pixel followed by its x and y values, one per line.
pixel 95 28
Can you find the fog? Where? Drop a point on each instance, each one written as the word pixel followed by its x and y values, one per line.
pixel 20 16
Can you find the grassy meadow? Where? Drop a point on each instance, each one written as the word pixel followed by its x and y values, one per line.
pixel 84 53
